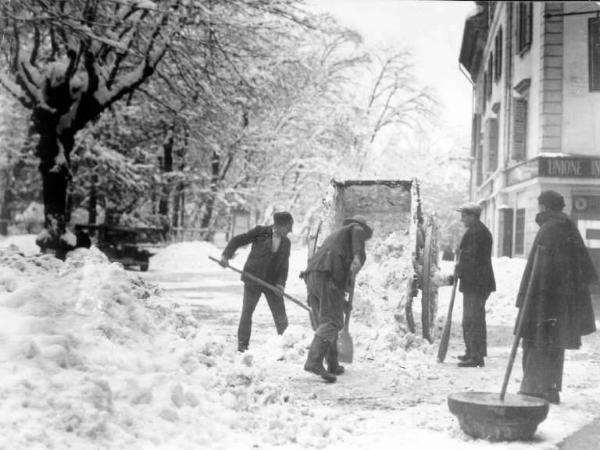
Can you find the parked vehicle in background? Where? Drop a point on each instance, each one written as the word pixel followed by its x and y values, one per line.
pixel 130 246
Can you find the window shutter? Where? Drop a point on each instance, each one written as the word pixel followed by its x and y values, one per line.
pixel 519 148
pixel 490 144
pixel 475 132
pixel 498 68
pixel 594 53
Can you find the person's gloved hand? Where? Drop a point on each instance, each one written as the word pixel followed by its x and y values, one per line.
pixel 224 261
pixel 281 287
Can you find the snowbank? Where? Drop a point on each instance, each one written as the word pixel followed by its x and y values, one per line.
pixel 94 357
pixel 186 257
pixel 25 243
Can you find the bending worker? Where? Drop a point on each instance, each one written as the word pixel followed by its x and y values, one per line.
pixel 330 273
pixel 268 260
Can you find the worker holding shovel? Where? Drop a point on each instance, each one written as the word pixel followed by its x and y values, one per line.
pixel 268 261
pixel 561 308
pixel 330 273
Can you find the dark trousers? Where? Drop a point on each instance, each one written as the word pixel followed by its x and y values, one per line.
pixel 327 303
pixel 276 303
pixel 542 369
pixel 473 323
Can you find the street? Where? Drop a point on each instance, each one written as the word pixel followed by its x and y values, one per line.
pixel 383 401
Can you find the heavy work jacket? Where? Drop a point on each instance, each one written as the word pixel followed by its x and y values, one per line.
pixel 262 262
pixel 561 309
pixel 474 266
pixel 337 251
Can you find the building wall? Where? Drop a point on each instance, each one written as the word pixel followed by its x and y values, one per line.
pixel 581 112
pixel 563 117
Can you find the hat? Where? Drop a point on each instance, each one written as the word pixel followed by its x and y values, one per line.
pixel 282 218
pixel 470 208
pixel 362 221
pixel 552 200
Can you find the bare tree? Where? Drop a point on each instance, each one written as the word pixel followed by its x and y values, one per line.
pixel 69 60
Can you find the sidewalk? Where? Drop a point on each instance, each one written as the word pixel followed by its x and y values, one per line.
pixel 588 438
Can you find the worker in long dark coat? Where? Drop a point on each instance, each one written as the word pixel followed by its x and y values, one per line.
pixel 474 269
pixel 268 260
pixel 329 274
pixel 561 309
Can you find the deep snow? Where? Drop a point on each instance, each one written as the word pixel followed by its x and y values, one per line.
pixel 94 356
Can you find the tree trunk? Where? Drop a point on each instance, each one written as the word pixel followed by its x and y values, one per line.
pixel 5 216
pixel 167 166
pixel 210 201
pixel 92 204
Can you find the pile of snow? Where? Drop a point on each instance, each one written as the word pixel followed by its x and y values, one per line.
pixel 92 358
pixel 500 307
pixel 24 243
pixel 186 257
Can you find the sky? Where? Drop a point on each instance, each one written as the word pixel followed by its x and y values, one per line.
pixel 432 30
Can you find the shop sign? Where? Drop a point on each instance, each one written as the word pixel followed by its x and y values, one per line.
pixel 569 167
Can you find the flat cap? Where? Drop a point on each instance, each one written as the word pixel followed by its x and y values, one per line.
pixel 282 218
pixel 362 221
pixel 470 208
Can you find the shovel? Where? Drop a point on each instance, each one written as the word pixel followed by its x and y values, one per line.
pixel 264 284
pixel 502 417
pixel 345 345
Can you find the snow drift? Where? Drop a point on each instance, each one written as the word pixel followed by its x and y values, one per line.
pixel 92 356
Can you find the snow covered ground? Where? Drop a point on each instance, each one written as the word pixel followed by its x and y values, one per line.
pixel 93 356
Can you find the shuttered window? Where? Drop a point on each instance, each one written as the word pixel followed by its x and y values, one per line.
pixel 479 158
pixel 475 132
pixel 498 60
pixel 594 53
pixel 490 75
pixel 519 147
pixel 524 17
pixel 520 232
pixel 490 144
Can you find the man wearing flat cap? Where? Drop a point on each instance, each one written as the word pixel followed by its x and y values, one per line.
pixel 560 310
pixel 474 269
pixel 268 260
pixel 330 273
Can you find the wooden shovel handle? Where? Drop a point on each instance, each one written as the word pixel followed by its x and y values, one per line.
pixel 264 284
pixel 349 309
pixel 521 320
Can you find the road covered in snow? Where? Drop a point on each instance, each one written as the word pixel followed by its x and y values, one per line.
pixel 94 356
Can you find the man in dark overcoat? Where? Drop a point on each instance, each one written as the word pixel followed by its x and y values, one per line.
pixel 561 309
pixel 474 269
pixel 268 260
pixel 329 274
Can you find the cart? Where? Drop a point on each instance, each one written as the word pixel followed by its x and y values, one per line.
pixel 130 246
pixel 395 206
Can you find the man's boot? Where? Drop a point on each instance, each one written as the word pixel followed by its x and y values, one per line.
pixel 242 346
pixel 333 365
pixel 314 360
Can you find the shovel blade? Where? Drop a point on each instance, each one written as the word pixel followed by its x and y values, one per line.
pixel 345 347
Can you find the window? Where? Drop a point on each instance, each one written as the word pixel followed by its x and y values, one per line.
pixel 594 53
pixel 490 144
pixel 490 76
pixel 520 232
pixel 519 141
pixel 485 89
pixel 475 132
pixel 524 17
pixel 498 60
pixel 506 226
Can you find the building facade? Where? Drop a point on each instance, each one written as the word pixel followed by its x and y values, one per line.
pixel 535 70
